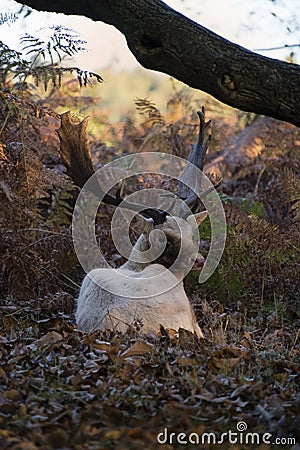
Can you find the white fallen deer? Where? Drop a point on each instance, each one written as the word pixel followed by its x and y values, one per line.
pixel 100 308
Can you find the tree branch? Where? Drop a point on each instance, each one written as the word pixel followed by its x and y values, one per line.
pixel 280 47
pixel 164 40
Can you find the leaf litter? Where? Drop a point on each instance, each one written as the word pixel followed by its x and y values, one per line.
pixel 62 388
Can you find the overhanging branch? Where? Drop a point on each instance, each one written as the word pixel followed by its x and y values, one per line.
pixel 164 40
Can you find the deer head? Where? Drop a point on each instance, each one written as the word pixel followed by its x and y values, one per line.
pixel 171 234
pixel 173 243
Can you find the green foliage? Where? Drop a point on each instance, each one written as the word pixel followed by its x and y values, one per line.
pixel 254 208
pixel 259 260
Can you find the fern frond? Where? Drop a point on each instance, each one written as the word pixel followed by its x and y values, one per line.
pixel 62 41
pixel 150 111
pixel 8 18
pixel 11 61
pixel 45 74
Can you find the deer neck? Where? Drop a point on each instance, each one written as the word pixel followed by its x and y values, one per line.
pixel 141 245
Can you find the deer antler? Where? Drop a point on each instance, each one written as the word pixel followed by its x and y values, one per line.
pixel 196 157
pixel 76 156
pixel 75 152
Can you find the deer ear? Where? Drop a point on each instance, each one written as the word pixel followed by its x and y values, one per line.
pixel 140 224
pixel 198 218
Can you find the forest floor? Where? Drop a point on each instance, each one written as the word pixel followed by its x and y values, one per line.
pixel 236 389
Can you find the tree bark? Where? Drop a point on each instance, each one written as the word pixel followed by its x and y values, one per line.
pixel 164 40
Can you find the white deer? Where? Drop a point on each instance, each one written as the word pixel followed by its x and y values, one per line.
pixel 152 291
pixel 98 308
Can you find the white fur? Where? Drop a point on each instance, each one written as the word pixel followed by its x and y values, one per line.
pixel 99 309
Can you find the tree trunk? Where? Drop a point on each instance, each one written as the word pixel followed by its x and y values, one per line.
pixel 164 40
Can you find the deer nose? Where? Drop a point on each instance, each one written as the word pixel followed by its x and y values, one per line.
pixel 199 262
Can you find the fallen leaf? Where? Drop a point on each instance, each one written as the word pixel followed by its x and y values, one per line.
pixel 186 362
pixel 139 348
pixel 12 394
pixel 49 338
